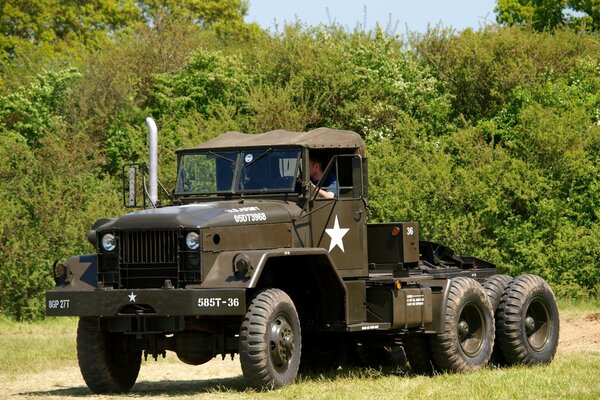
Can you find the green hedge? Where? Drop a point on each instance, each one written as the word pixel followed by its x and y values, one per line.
pixel 489 139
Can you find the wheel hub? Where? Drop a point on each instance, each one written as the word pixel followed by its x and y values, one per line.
pixel 530 325
pixel 538 324
pixel 471 329
pixel 463 329
pixel 281 343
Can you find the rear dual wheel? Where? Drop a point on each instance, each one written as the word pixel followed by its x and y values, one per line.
pixel 495 286
pixel 526 326
pixel 527 321
pixel 468 337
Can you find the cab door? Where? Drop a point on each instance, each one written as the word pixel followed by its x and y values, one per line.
pixel 339 224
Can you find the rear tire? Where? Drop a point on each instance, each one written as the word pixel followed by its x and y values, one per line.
pixel 468 338
pixel 105 362
pixel 528 322
pixel 270 340
pixel 494 287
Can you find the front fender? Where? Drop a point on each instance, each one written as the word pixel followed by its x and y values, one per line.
pixel 222 272
pixel 308 275
pixel 82 273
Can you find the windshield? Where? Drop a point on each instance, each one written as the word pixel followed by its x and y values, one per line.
pixel 257 170
pixel 207 172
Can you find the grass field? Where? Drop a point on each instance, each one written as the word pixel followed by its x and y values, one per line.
pixel 38 360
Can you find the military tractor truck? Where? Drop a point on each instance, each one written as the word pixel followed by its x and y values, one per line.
pixel 247 258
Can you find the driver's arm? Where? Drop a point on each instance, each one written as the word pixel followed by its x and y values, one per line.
pixel 323 194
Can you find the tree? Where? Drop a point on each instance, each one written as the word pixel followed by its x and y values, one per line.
pixel 88 22
pixel 30 112
pixel 547 15
pixel 226 17
pixel 203 12
pixel 591 21
pixel 43 21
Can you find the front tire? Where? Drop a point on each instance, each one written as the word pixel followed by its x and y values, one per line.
pixel 468 338
pixel 270 340
pixel 528 322
pixel 106 364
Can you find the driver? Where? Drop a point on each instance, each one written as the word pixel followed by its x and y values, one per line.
pixel 329 184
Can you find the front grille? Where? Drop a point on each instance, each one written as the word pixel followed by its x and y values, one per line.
pixel 149 247
pixel 149 258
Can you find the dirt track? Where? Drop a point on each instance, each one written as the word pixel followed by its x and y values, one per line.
pixel 580 333
pixel 156 379
pixel 220 379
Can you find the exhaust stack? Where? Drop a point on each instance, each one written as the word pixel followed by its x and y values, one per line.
pixel 152 161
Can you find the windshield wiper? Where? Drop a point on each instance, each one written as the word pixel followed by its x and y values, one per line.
pixel 212 153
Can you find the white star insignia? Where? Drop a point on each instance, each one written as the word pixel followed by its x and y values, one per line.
pixel 336 234
pixel 132 297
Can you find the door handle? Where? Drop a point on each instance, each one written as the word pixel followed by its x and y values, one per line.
pixel 358 214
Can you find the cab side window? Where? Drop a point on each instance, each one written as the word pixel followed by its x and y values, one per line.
pixel 349 173
pixel 343 176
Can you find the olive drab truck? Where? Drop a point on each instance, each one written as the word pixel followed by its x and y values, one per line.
pixel 245 258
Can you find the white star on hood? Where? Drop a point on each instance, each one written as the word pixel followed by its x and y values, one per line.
pixel 336 234
pixel 132 297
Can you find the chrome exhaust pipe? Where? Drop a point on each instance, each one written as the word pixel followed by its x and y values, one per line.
pixel 152 161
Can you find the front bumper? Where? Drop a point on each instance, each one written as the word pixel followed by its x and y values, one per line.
pixel 157 302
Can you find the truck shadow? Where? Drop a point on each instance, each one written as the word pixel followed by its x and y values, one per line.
pixel 168 388
pixel 354 372
pixel 237 384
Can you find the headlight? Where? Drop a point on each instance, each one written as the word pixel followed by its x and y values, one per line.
pixel 109 242
pixel 192 240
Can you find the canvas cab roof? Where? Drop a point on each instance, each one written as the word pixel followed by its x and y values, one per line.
pixel 320 138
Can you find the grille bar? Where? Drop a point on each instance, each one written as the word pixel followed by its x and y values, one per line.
pixel 148 247
pixel 148 258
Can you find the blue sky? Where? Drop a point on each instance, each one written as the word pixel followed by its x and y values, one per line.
pixel 415 15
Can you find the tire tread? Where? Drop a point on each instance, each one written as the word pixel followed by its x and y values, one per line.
pixel 99 370
pixel 509 323
pixel 444 346
pixel 253 348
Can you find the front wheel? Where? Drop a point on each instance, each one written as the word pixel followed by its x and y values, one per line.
pixel 527 321
pixel 468 337
pixel 270 340
pixel 105 361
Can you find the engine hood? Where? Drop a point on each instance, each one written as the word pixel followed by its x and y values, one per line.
pixel 210 214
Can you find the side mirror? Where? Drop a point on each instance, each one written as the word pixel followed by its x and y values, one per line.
pixel 133 179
